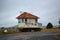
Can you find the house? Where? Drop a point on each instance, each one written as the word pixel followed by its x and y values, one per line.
pixel 27 20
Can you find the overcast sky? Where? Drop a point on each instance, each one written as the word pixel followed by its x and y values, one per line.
pixel 47 10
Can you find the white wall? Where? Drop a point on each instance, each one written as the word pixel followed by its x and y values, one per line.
pixel 20 20
pixel 30 23
pixel 31 20
pixel 28 20
pixel 21 24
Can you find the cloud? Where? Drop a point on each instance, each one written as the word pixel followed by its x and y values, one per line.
pixel 47 10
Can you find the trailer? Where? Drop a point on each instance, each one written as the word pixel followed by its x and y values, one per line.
pixel 29 29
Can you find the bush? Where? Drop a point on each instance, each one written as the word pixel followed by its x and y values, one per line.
pixel 58 27
pixel 2 27
pixel 49 25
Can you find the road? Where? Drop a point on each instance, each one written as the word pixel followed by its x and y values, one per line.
pixel 31 36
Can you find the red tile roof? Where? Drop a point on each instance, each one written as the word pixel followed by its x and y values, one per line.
pixel 26 15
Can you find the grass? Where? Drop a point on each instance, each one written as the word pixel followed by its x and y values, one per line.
pixel 51 30
pixel 10 31
pixel 13 31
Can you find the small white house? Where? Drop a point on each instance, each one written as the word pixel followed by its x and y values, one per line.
pixel 28 20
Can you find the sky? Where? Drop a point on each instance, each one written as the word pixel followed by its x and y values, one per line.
pixel 47 10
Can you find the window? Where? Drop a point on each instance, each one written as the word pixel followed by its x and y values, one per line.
pixel 22 20
pixel 19 22
pixel 25 19
pixel 32 23
pixel 35 24
pixel 36 20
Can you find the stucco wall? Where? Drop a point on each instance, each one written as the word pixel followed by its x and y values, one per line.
pixel 28 20
pixel 21 24
pixel 30 23
pixel 20 20
pixel 31 20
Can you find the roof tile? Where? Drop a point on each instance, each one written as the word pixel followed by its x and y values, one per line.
pixel 26 15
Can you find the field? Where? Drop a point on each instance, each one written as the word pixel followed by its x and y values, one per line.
pixel 11 31
pixel 43 34
pixel 51 30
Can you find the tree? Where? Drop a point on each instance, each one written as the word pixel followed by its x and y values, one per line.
pixel 2 27
pixel 59 23
pixel 49 25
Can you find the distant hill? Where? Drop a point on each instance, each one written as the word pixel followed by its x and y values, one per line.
pixel 15 26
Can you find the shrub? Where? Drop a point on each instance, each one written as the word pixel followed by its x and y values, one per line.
pixel 49 25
